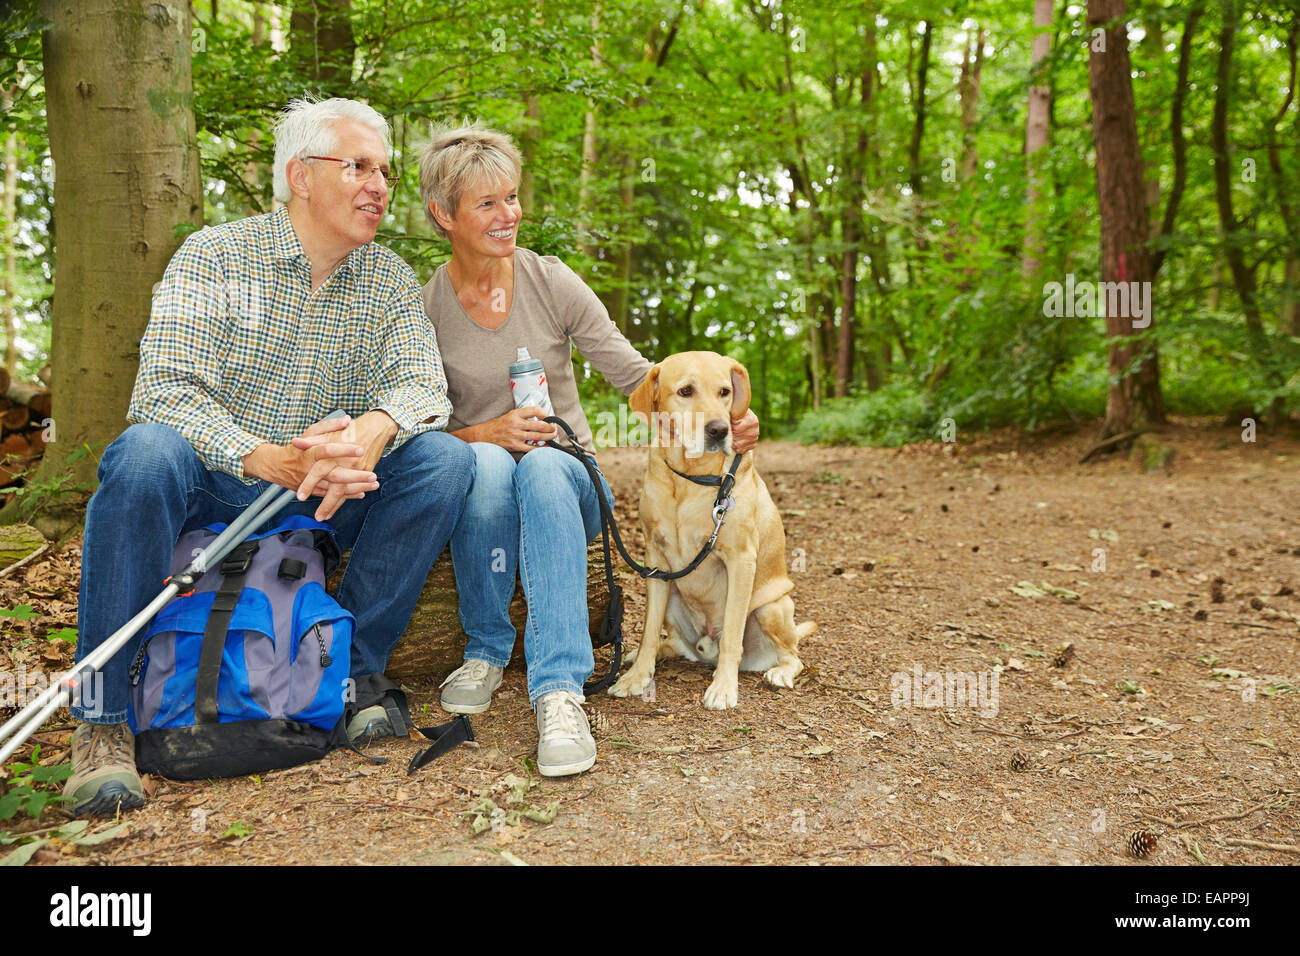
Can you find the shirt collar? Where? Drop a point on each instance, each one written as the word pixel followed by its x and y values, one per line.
pixel 288 247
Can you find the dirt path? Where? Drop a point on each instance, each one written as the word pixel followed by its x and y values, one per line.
pixel 1176 713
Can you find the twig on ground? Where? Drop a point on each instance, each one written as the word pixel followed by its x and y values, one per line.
pixel 1260 844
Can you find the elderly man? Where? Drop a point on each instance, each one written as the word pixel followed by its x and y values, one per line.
pixel 259 329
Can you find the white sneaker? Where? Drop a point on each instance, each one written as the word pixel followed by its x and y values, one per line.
pixel 564 742
pixel 468 689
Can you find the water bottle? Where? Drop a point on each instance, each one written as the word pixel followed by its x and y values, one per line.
pixel 528 384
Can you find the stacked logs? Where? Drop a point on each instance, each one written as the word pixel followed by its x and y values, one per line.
pixel 24 415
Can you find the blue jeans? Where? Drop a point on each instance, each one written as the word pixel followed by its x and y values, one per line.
pixel 537 516
pixel 153 487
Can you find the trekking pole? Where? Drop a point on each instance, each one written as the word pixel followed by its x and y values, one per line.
pixel 61 692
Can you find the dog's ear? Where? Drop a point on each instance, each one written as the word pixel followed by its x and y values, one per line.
pixel 739 390
pixel 642 401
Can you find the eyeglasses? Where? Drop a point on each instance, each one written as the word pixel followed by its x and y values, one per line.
pixel 355 171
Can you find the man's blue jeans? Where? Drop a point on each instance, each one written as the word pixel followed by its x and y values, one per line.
pixel 153 487
pixel 537 516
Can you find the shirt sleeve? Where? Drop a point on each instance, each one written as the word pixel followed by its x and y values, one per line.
pixel 587 322
pixel 407 378
pixel 180 360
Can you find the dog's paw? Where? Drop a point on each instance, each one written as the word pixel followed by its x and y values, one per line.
pixel 631 684
pixel 721 694
pixel 783 675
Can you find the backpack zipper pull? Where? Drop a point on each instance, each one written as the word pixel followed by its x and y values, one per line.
pixel 137 665
pixel 325 660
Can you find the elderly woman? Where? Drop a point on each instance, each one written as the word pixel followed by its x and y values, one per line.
pixel 531 508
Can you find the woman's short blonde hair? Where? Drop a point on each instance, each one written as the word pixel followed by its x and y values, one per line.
pixel 460 157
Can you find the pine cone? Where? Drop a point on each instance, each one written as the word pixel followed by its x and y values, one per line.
pixel 1064 655
pixel 599 722
pixel 1019 762
pixel 1141 843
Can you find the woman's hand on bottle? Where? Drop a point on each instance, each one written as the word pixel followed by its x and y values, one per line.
pixel 513 430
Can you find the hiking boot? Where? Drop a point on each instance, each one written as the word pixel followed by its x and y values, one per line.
pixel 468 689
pixel 369 725
pixel 564 742
pixel 104 778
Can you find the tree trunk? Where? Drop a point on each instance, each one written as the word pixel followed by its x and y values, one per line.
pixel 1177 140
pixel 1243 274
pixel 918 131
pixel 589 143
pixel 322 45
pixel 121 126
pixel 968 91
pixel 1134 397
pixel 8 239
pixel 1037 129
pixel 532 134
pixel 616 301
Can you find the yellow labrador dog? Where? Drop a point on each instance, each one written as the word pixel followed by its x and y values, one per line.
pixel 735 609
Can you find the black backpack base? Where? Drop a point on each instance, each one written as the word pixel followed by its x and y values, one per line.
pixel 234 749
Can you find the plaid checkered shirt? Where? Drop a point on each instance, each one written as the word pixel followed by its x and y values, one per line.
pixel 241 351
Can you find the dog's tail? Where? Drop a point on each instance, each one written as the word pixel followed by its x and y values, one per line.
pixel 805 629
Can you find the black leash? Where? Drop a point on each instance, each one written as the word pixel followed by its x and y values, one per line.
pixel 611 628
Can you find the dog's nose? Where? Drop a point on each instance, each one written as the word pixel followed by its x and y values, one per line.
pixel 717 429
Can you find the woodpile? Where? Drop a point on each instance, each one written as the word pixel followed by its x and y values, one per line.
pixel 24 414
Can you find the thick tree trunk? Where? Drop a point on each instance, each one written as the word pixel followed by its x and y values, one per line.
pixel 122 138
pixel 1134 396
pixel 1037 129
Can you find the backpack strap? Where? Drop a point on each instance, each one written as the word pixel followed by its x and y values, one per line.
pixel 234 569
pixel 376 689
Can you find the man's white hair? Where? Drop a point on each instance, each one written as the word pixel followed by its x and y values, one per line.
pixel 306 128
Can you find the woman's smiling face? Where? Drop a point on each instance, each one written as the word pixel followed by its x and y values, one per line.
pixel 487 220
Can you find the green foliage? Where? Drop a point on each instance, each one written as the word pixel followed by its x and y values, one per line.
pixel 31 787
pixel 734 145
pixel 895 415
pixel 237 830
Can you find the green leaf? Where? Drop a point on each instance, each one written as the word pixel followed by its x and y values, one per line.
pixel 24 853
pixel 237 829
pixel 36 802
pixel 71 831
pixel 1226 673
pixel 546 815
pixel 22 612
pixel 68 634
pixel 55 774
pixel 105 833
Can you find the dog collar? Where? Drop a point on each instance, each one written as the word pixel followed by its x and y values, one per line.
pixel 723 482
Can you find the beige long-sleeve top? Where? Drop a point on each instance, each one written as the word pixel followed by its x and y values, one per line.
pixel 552 311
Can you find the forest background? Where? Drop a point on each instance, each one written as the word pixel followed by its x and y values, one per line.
pixel 895 214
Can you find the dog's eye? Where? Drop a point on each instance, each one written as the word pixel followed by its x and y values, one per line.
pixel 686 391
pixel 724 392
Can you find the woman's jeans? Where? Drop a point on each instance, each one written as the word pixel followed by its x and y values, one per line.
pixel 153 487
pixel 537 516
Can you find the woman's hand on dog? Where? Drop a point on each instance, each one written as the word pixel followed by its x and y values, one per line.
pixel 513 430
pixel 744 433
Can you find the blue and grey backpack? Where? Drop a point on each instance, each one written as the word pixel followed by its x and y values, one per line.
pixel 249 671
